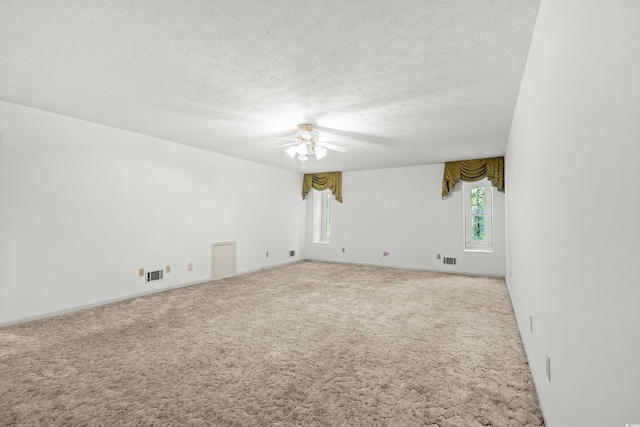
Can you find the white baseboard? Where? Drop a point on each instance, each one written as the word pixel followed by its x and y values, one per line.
pixel 123 298
pixel 95 304
pixel 268 267
pixel 182 285
pixel 461 273
pixel 534 376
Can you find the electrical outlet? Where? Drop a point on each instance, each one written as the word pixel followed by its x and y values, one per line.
pixel 190 266
pixel 342 250
pixel 141 272
pixel 385 253
pixel 292 253
pixel 267 254
pixel 168 269
pixel 438 256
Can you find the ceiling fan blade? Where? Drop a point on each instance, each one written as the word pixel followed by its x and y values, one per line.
pixel 283 145
pixel 281 135
pixel 333 147
pixel 355 135
pixel 278 138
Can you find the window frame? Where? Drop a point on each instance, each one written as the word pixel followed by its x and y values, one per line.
pixel 321 216
pixel 471 245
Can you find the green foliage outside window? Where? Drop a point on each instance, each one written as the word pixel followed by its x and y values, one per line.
pixel 477 213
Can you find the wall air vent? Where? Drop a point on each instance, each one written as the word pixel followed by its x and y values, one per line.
pixel 154 275
pixel 449 260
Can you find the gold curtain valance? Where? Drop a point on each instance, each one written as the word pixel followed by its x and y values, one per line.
pixel 322 181
pixel 473 170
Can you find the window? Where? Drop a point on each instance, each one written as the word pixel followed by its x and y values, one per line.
pixel 478 225
pixel 321 216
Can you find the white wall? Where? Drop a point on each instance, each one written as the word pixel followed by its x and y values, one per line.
pixel 401 211
pixel 572 211
pixel 84 206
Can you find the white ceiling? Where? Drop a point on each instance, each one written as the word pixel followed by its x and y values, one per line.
pixel 398 83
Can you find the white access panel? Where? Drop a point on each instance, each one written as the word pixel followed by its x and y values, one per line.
pixel 223 259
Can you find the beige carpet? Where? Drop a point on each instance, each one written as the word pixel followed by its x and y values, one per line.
pixel 304 344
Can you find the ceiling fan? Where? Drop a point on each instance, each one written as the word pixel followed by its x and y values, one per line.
pixel 307 143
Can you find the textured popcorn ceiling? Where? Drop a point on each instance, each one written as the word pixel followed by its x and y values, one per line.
pixel 398 83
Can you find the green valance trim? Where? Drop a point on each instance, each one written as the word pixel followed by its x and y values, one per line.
pixel 322 181
pixel 473 170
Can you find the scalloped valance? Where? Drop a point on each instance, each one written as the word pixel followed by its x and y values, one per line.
pixel 322 181
pixel 473 170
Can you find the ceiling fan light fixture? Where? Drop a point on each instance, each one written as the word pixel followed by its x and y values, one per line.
pixel 308 144
pixel 307 133
pixel 320 151
pixel 292 151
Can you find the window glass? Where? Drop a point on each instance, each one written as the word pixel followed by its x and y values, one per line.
pixel 478 226
pixel 477 213
pixel 321 216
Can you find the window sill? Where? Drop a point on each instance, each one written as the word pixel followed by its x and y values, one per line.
pixel 321 243
pixel 480 250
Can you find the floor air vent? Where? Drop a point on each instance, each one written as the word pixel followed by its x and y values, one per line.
pixel 449 260
pixel 154 275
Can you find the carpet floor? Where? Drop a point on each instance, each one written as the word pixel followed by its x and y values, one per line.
pixel 310 344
